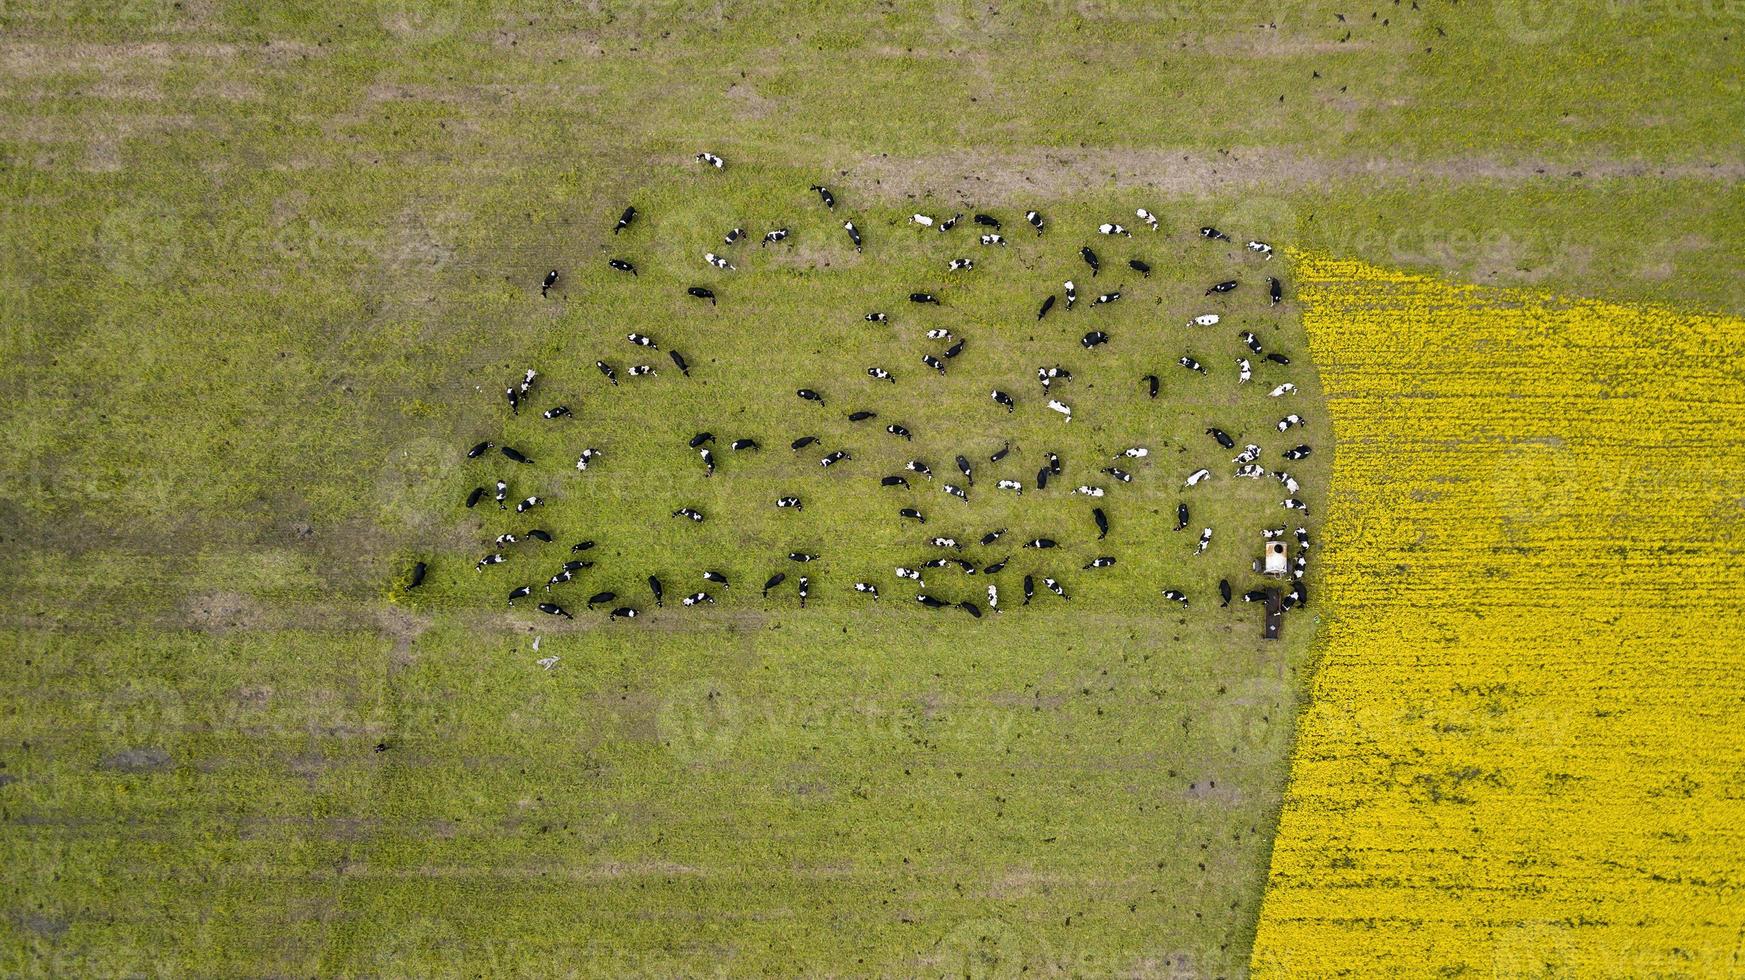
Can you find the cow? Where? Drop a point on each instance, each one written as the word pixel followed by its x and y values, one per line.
pixel 697 598
pixel 1151 384
pixel 805 590
pixel 956 491
pixel 491 559
pixel 601 598
pixel 911 574
pixel 1047 304
pixel 880 374
pixel 606 369
pixel 1061 407
pixel 1224 592
pixel 1260 247
pixel 1012 485
pixel 1042 543
pixel 702 438
pixel 1297 452
pixel 922 220
pixel 1133 452
pixel 900 432
pixel 621 265
pixel 1244 371
pixel 679 362
pixel 862 416
pixel 502 495
pixel 503 539
pixel 1303 538
pixel 1293 503
pixel 1035 220
pixel 1042 478
pixel 587 457
pixel 1254 595
pixel 528 504
pixel 925 299
pixel 1088 490
pixel 1029 589
pixel 1289 421
pixel 1274 291
pixel 580 546
pixel 1209 232
pixel 514 399
pixel 824 195
pixel 916 466
pixel 519 592
pixel 1176 595
pixel 559 579
pixel 834 457
pixel 1221 287
pixel 641 371
pixel 994 239
pixel 716 577
pixel 1108 228
pixel 556 412
pixel 971 608
pixel 773 581
pixel 1093 339
pixel 1191 364
pixel 1277 358
pixel 1102 520
pixel 1105 561
pixel 624 220
pixel 773 237
pixel 718 262
pixel 474 497
pixel 1118 473
pixel 1147 217
pixel 992 536
pixel 867 588
pixel 711 159
pixel 550 281
pixel 993 597
pixel 1205 320
pixel 479 450
pixel 733 236
pixel 1252 341
pixel 894 481
pixel 553 609
pixel 790 502
pixel 997 567
pixel 1196 476
pixel 853 234
pixel 988 221
pixel 1249 454
pixel 807 394
pixel 1072 296
pixel 802 556
pixel 933 362
pixel 539 534
pixel 802 443
pixel 1222 438
pixel 1140 267
pixel 930 602
pixel 955 349
pixel 1090 258
pixel 1054 465
pixel 739 445
pixel 944 543
pixel 1205 540
pixel 911 514
pixel 691 514
pixel 963 467
pixel 622 612
pixel 1282 390
pixel 702 292
pixel 951 222
pixel 1001 453
pixel 1055 587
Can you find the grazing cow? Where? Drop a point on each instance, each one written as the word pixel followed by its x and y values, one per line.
pixel 718 262
pixel 587 457
pixel 690 513
pixel 621 266
pixel 832 458
pixel 1190 364
pixel 916 466
pixel 559 579
pixel 1255 595
pixel 933 362
pixel 711 159
pixel 853 234
pixel 601 598
pixel 528 504
pixel 1252 341
pixel 1261 247
pixel 1196 476
pixel 1147 217
pixel 697 598
pixel 503 539
pixel 1299 565
pixel 1118 473
pixel 1104 299
pixel 944 543
pixel 956 265
pixel 679 361
pixel 988 221
pixel 1012 485
pixel 607 370
pixel 702 438
pixel 1292 503
pixel 624 220
pixel 581 546
pixel 922 220
pixel 877 317
pixel 1029 589
pixel 478 450
pixel 1113 229
pixel 553 609
pixel 702 292
pixel 1053 463
pixel 622 612
pixel 641 371
pixel 911 574
pixel 773 237
pixel 1274 291
pixel 802 443
pixel 912 514
pixel 939 333
pixel 1049 375
pixel 899 431
pixel 556 412
pixel 1041 543
pixel 1205 540
pixel 502 495
pixel 474 497
pixel 956 491
pixel 514 399
pixel 739 444
pixel 862 416
pixel 550 281
pixel 802 556
pixel 1001 453
pixel 1072 295
pixel 492 559
pixel 971 608
pixel 1140 267
pixel 1222 438
pixel 715 577
pixel 894 481
pixel 867 588
pixel 773 581
pixel 539 534
pixel 992 536
pixel 1244 371
pixel 880 374
pixel 1105 561
pixel 1209 232
pixel 924 298
pixel 655 587
pixel 1297 452
pixel 1055 587
pixel 1042 478
pixel 994 240
pixel 1035 220
pixel 808 394
pixel 514 455
pixel 930 602
pixel 1224 592
pixel 955 349
pixel 1047 304
pixel 1151 384
pixel 417 578
pixel 1102 520
pixel 1088 490
pixel 1249 454
pixel 1277 358
pixel 733 236
pixel 1133 452
pixel 1289 482
pixel 519 592
pixel 1303 538
pixel 1176 595
pixel 1205 320
pixel 993 597
pixel 824 195
pixel 1090 258
pixel 951 222
pixel 1299 593
pixel 1061 407
pixel 577 566
pixel 1221 287
pixel 963 467
pixel 997 567
pixel 793 502
pixel 1282 390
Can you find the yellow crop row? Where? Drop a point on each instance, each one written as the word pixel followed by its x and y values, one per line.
pixel 1525 749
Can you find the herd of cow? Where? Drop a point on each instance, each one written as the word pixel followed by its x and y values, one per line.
pixel 947 552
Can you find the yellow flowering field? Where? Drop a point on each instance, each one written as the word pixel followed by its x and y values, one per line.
pixel 1524 753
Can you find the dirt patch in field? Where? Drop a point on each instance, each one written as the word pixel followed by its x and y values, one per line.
pixel 222 612
pixel 138 760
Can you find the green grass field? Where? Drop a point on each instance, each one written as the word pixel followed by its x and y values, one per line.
pixel 266 271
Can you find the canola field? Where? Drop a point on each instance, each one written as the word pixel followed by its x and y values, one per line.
pixel 1521 752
